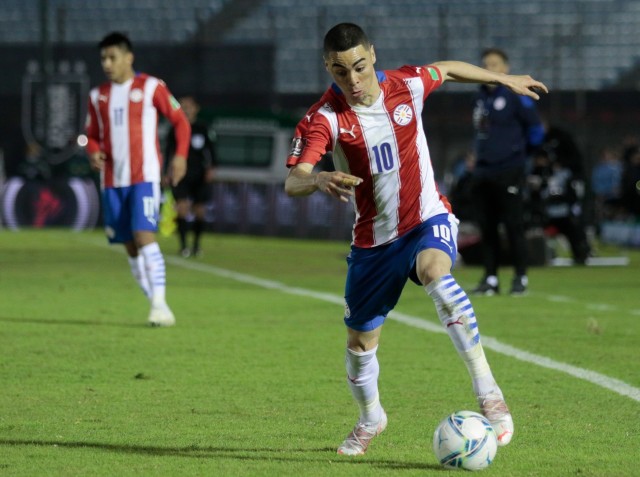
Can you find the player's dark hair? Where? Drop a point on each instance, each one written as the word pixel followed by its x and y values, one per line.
pixel 495 51
pixel 116 39
pixel 343 37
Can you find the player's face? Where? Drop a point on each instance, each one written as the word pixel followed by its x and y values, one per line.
pixel 117 63
pixel 495 63
pixel 353 72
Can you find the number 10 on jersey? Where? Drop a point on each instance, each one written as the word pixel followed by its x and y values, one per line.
pixel 384 160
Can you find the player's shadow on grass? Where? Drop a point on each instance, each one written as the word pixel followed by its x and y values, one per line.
pixel 54 321
pixel 204 452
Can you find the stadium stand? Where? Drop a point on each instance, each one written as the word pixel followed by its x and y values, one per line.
pixel 571 45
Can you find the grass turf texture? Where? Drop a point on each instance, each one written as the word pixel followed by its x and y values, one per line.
pixel 251 380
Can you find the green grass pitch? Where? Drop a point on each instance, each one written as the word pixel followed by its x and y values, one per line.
pixel 251 381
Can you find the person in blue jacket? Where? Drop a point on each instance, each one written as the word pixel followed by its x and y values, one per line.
pixel 507 128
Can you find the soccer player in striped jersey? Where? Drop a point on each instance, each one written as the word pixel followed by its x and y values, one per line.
pixel 404 228
pixel 123 145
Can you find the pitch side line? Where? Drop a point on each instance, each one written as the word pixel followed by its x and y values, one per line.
pixel 615 385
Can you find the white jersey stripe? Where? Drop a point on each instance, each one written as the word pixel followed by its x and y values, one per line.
pixel 382 150
pixel 119 131
pixel 151 162
pixel 428 196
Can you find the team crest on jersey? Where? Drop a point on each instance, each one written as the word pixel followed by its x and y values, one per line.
pixel 297 146
pixel 403 115
pixel 136 95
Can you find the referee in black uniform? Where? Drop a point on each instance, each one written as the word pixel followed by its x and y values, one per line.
pixel 507 127
pixel 192 192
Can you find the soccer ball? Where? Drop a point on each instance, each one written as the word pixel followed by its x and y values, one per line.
pixel 465 440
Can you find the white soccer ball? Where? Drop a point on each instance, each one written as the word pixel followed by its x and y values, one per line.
pixel 465 440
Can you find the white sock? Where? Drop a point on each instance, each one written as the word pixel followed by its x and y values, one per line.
pixel 155 268
pixel 140 274
pixel 362 376
pixel 456 314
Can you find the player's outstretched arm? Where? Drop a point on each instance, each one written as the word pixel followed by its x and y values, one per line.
pixel 302 181
pixel 462 72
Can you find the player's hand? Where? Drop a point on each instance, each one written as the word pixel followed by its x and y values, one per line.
pixel 96 160
pixel 337 184
pixel 525 85
pixel 177 169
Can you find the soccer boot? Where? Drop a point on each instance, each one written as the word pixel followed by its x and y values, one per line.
pixel 496 411
pixel 488 286
pixel 357 442
pixel 161 315
pixel 519 286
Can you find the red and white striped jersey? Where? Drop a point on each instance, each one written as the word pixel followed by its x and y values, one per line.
pixel 123 123
pixel 383 144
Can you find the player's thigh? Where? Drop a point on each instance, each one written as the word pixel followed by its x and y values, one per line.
pixel 436 249
pixel 145 206
pixel 117 214
pixel 375 279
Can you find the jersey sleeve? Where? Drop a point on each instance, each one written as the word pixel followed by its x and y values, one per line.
pixel 312 138
pixel 430 76
pixel 169 107
pixel 531 120
pixel 92 128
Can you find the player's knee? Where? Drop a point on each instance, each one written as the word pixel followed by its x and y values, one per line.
pixel 431 265
pixel 430 273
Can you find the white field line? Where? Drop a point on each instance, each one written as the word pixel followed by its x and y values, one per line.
pixel 596 307
pixel 606 382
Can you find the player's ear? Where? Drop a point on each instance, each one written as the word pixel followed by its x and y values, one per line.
pixel 373 55
pixel 130 58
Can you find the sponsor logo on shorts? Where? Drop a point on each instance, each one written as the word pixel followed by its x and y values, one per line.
pixel 447 244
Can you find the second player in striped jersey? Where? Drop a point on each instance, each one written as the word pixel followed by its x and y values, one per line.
pixel 122 128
